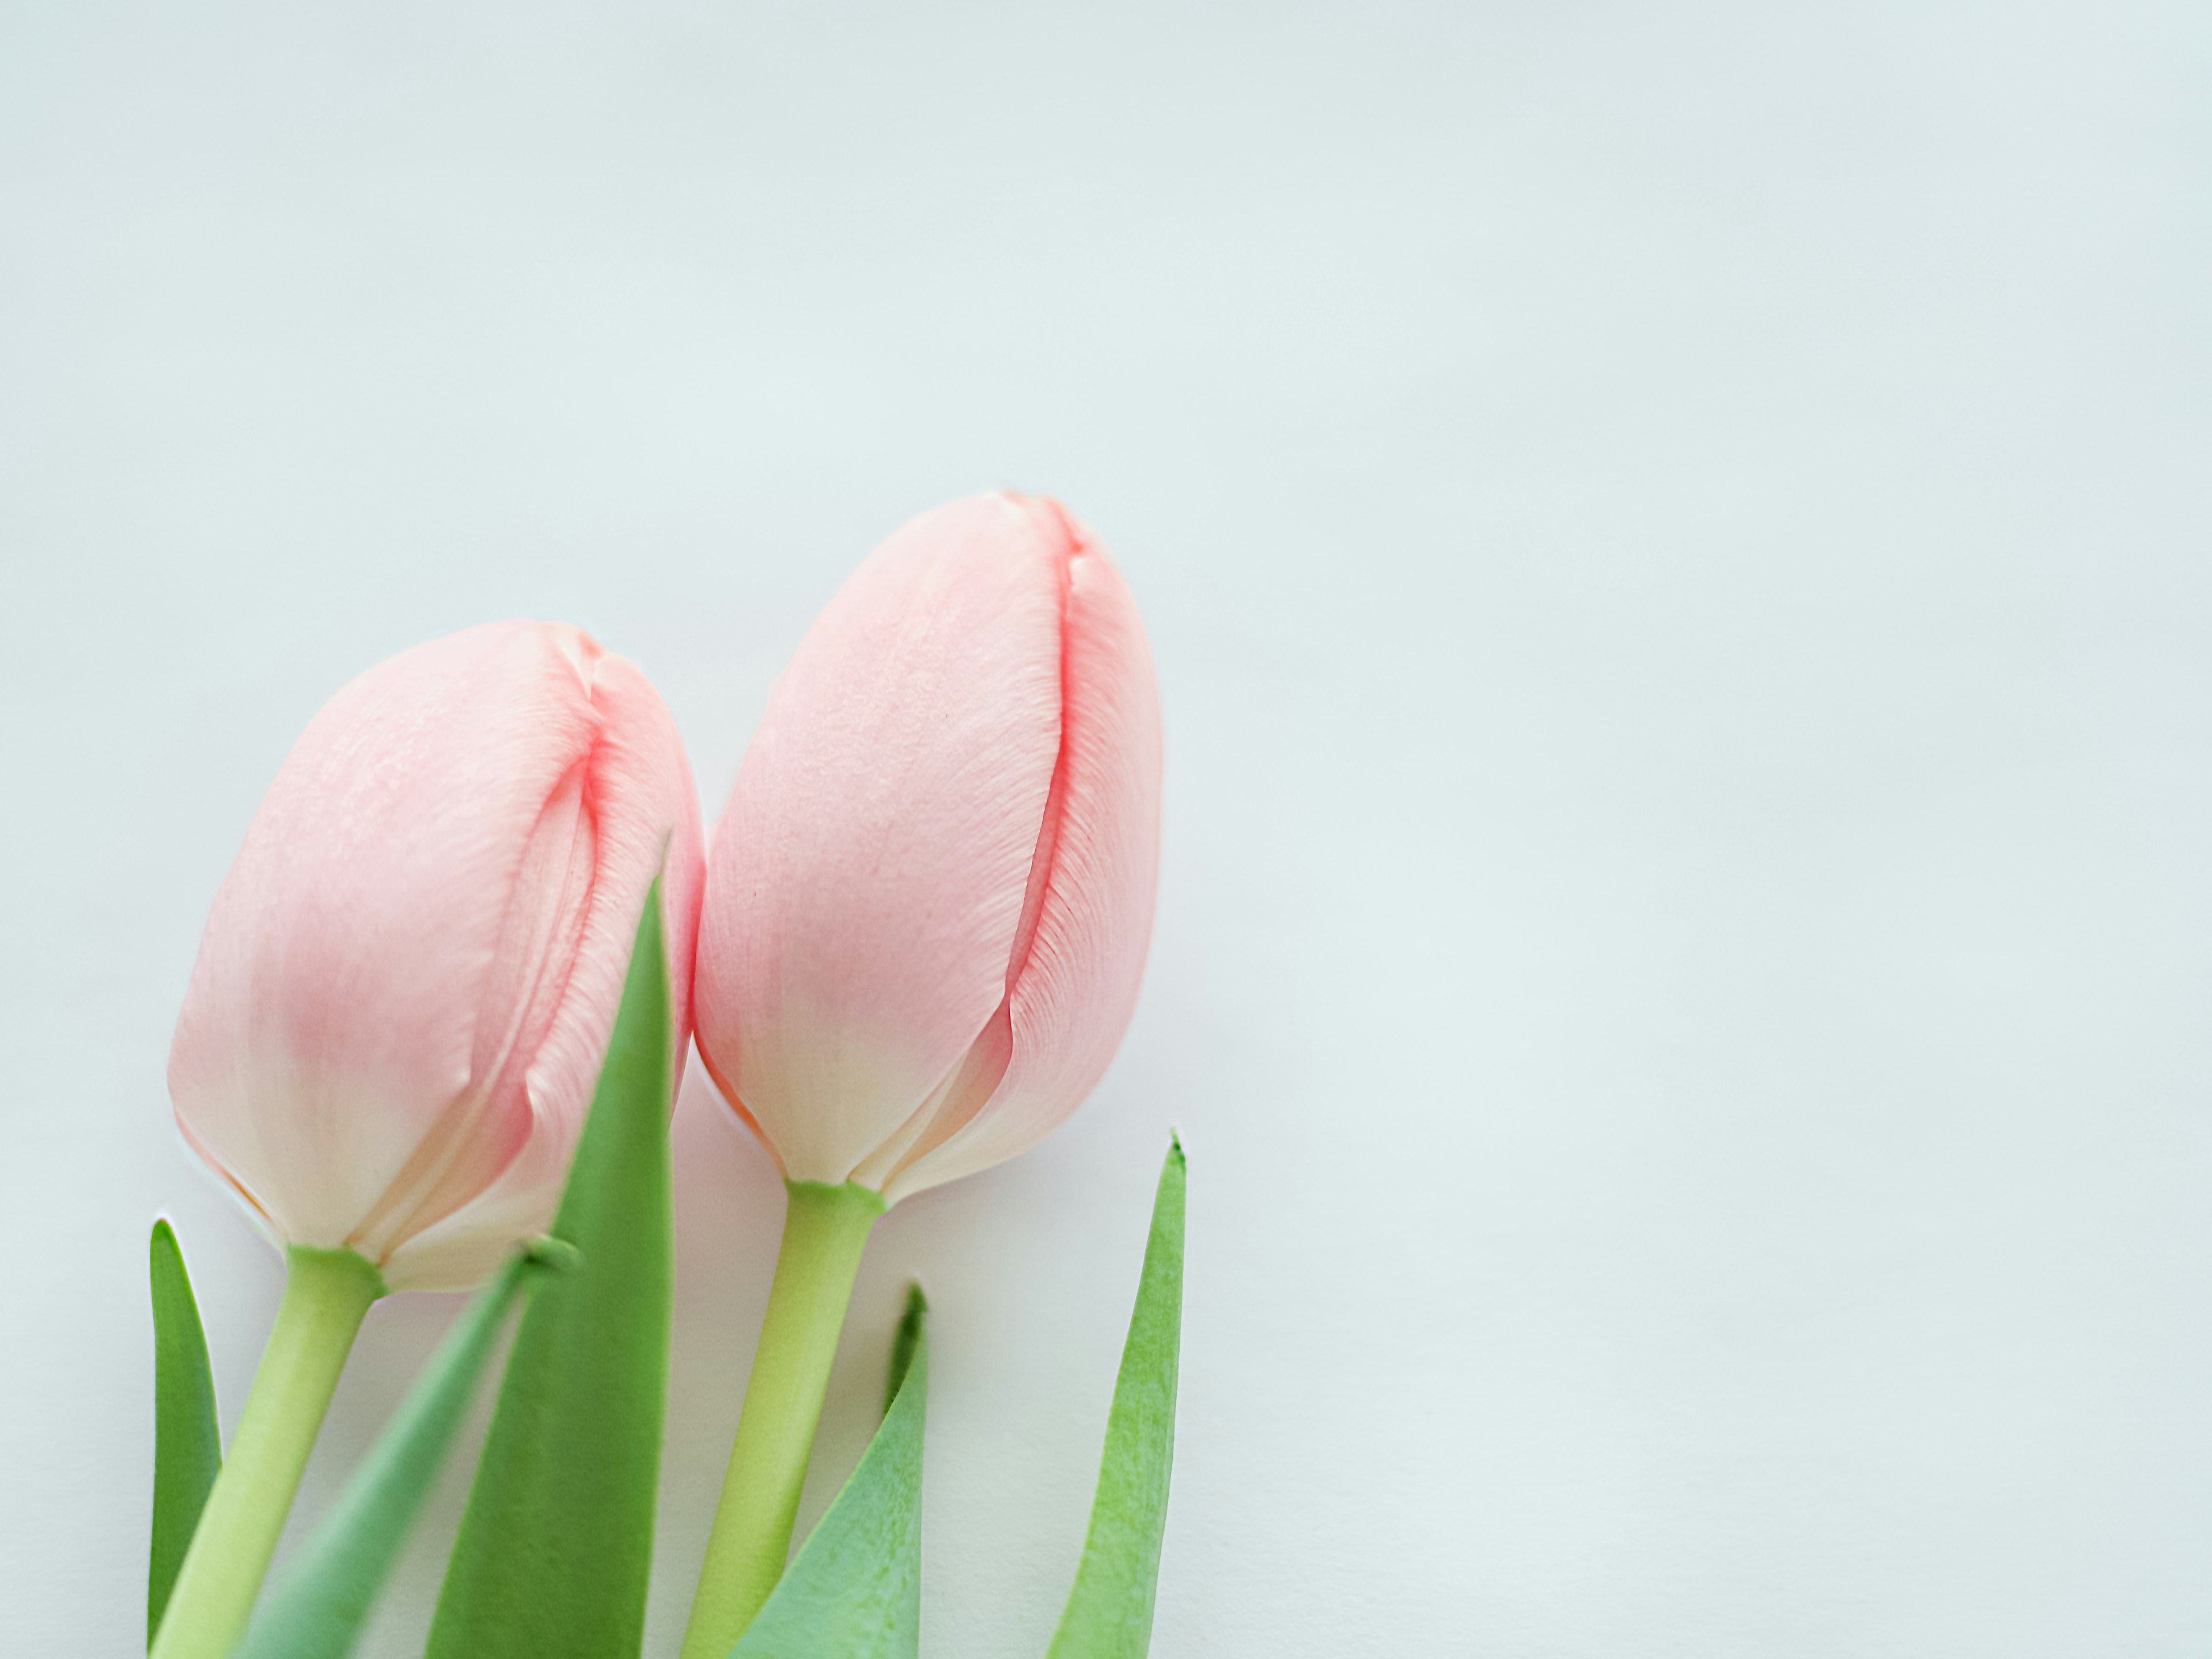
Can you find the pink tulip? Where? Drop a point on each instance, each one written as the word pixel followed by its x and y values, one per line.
pixel 930 895
pixel 408 977
pixel 925 921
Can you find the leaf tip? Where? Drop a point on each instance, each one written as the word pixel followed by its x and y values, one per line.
pixel 907 1342
pixel 554 1254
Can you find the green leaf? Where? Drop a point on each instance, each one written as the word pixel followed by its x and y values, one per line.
pixel 855 1590
pixel 903 1344
pixel 317 1610
pixel 1109 1613
pixel 187 1443
pixel 558 1538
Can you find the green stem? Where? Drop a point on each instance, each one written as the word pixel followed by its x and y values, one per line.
pixel 825 1229
pixel 327 1294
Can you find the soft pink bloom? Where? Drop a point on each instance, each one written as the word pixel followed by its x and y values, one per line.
pixel 410 976
pixel 931 892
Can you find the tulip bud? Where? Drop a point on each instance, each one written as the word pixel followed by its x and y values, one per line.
pixel 410 976
pixel 930 895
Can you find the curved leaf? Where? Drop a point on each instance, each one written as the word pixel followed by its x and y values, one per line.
pixel 187 1443
pixel 558 1538
pixel 1109 1613
pixel 855 1591
pixel 317 1610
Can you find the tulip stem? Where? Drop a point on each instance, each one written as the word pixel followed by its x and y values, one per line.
pixel 326 1295
pixel 824 1229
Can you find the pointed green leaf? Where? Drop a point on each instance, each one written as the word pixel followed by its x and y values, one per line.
pixel 855 1591
pixel 1109 1612
pixel 904 1343
pixel 317 1610
pixel 558 1538
pixel 187 1444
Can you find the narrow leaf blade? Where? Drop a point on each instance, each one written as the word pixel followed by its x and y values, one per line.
pixel 855 1591
pixel 909 1335
pixel 187 1442
pixel 558 1538
pixel 318 1609
pixel 1109 1613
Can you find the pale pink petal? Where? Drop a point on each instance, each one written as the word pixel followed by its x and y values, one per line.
pixel 1074 984
pixel 647 814
pixel 332 1014
pixel 646 823
pixel 413 929
pixel 866 881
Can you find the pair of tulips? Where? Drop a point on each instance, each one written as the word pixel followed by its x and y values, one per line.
pixel 911 952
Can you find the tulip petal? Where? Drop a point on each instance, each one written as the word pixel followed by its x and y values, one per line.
pixel 1072 992
pixel 331 1014
pixel 866 882
pixel 641 790
pixel 409 974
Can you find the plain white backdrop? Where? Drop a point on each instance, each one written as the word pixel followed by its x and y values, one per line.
pixel 1676 543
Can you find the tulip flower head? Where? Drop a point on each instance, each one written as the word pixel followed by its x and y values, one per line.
pixel 930 895
pixel 410 976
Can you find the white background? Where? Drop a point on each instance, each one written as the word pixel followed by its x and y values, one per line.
pixel 1676 539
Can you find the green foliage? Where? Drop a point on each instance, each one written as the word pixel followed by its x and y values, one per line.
pixel 187 1443
pixel 318 1610
pixel 904 1343
pixel 557 1539
pixel 855 1590
pixel 1109 1613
